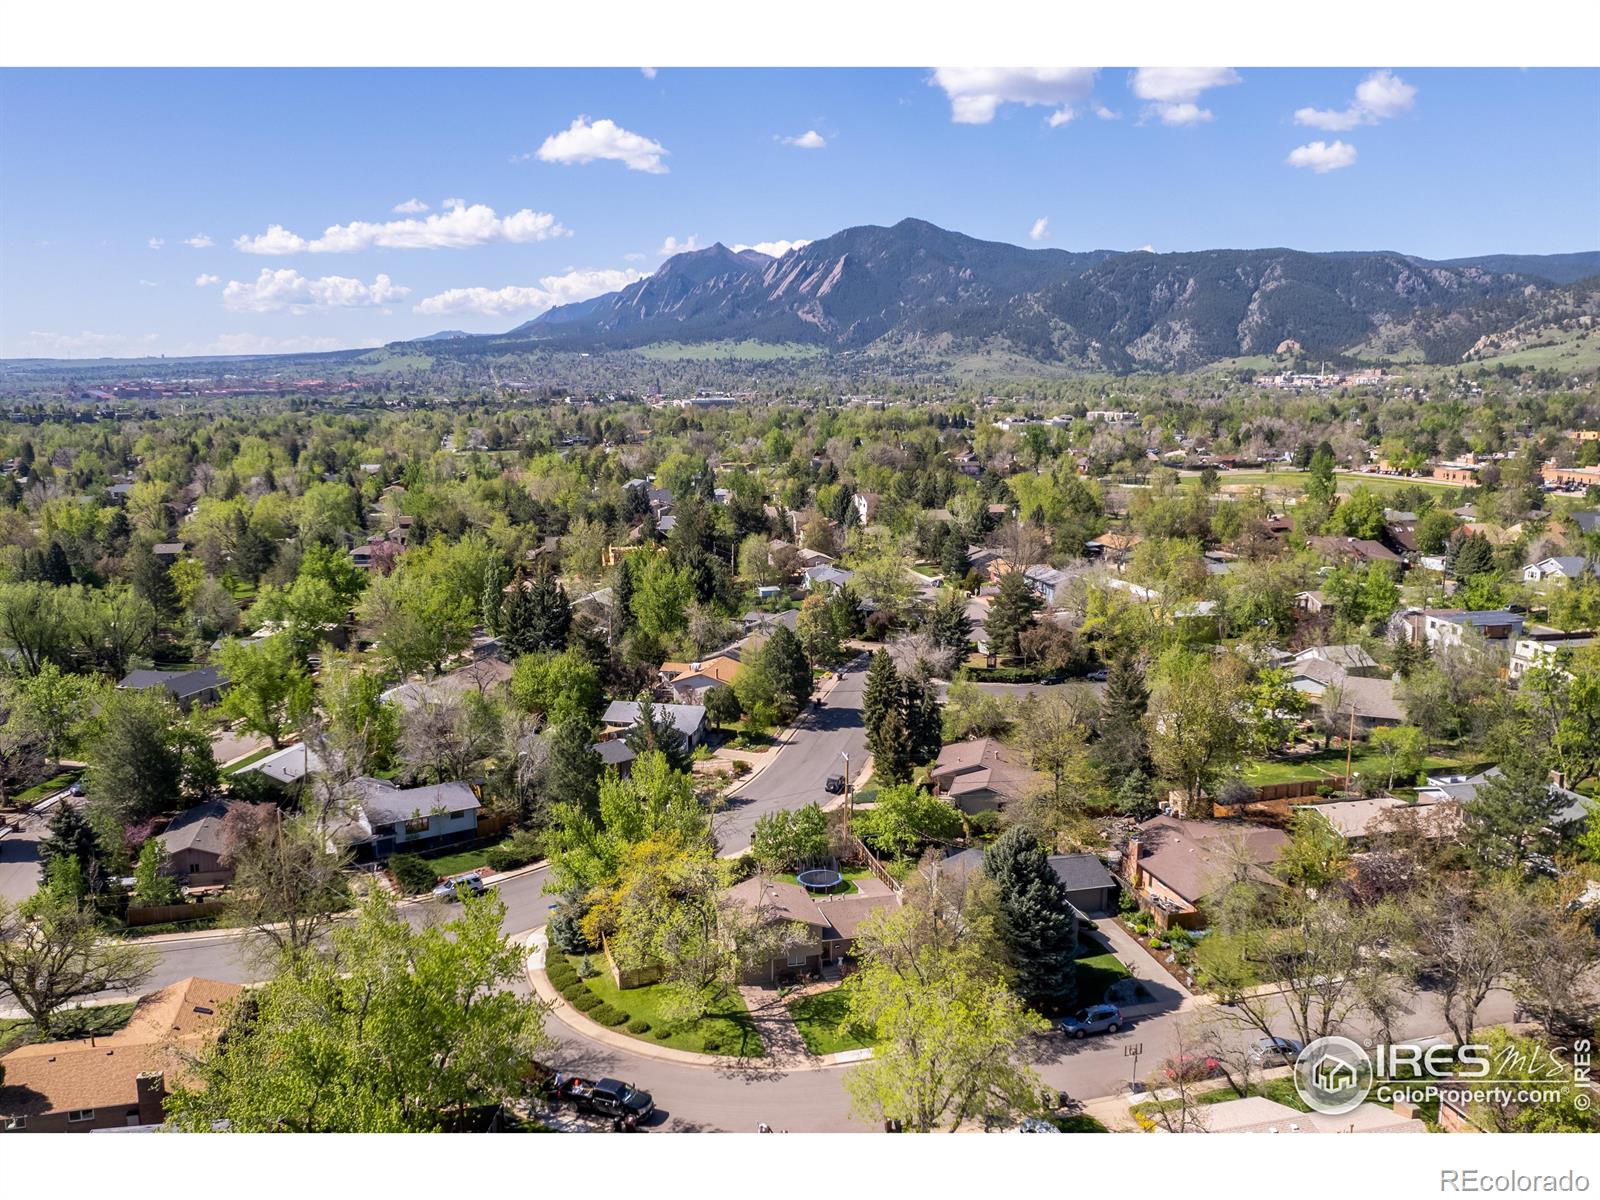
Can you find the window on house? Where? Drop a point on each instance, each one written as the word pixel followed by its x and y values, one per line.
pixel 797 958
pixel 194 868
pixel 417 825
pixel 15 1123
pixel 456 816
pixel 81 1114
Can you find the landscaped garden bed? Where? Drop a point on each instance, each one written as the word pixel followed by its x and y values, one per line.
pixel 646 1012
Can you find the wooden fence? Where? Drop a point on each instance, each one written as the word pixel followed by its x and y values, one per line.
pixel 872 864
pixel 1277 799
pixel 160 914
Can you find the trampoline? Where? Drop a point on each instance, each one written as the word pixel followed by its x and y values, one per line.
pixel 819 880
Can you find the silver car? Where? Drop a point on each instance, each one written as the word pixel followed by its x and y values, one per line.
pixel 1274 1051
pixel 1099 1018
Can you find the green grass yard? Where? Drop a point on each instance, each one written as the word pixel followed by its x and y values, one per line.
pixel 821 1019
pixel 96 1021
pixel 1096 973
pixel 1330 763
pixel 48 788
pixel 851 874
pixel 729 1024
pixel 458 861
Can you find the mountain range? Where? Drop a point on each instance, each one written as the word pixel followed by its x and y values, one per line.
pixel 913 289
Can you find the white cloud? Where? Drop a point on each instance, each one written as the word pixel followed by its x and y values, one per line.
pixel 287 289
pixel 585 141
pixel 809 140
pixel 206 280
pixel 1174 92
pixel 156 243
pixel 648 72
pixel 1040 230
pixel 1147 248
pixel 412 206
pixel 450 202
pixel 199 241
pixel 1106 114
pixel 976 93
pixel 1060 117
pixel 462 225
pixel 777 249
pixel 86 344
pixel 553 290
pixel 1379 96
pixel 673 246
pixel 1322 157
pixel 148 283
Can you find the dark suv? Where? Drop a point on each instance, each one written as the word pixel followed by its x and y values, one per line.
pixel 610 1098
pixel 834 784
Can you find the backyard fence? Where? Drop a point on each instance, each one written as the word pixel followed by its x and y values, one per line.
pixel 160 914
pixel 872 864
pixel 1277 799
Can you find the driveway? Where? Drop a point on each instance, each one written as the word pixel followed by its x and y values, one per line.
pixel 795 777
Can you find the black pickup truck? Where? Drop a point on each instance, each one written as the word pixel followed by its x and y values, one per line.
pixel 608 1098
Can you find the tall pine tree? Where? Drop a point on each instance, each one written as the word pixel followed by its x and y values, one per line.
pixel 1122 748
pixel 923 721
pixel 653 729
pixel 786 659
pixel 1037 923
pixel 880 697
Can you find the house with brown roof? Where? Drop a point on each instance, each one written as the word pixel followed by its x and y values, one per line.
pixel 116 1081
pixel 822 929
pixel 983 774
pixel 1174 865
pixel 690 681
pixel 195 845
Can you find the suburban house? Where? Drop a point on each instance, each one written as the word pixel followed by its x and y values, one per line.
pixel 287 766
pixel 1259 1114
pixel 756 621
pixel 1091 888
pixel 389 819
pixel 1560 566
pixel 687 719
pixel 1173 865
pixel 824 927
pixel 825 576
pixel 618 754
pixel 1357 820
pixel 193 840
pixel 1359 550
pixel 118 1081
pixel 1530 652
pixel 1371 701
pixel 1047 582
pixel 1447 626
pixel 485 676
pixel 1353 658
pixel 983 774
pixel 203 685
pixel 689 682
pixel 169 552
pixel 1464 788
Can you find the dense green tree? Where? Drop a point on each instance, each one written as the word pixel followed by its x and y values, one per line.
pixel 56 706
pixel 146 759
pixel 558 687
pixel 904 817
pixel 390 1029
pixel 152 581
pixel 153 883
pixel 56 952
pixel 653 729
pixel 269 688
pixel 573 775
pixel 71 836
pixel 1010 613
pixel 1037 924
pixel 924 723
pixel 1122 747
pixel 1512 815
pixel 538 616
pixel 786 659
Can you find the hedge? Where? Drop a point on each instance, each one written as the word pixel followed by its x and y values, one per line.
pixel 586 1001
pixel 607 1015
pixel 638 1025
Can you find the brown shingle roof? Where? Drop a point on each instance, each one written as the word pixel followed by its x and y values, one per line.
pixel 51 1077
pixel 1193 858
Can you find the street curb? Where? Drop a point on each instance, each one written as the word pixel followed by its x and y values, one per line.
pixel 593 1031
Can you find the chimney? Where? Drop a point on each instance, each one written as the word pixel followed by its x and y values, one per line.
pixel 152 1088
pixel 1130 861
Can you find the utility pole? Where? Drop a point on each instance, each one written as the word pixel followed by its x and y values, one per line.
pixel 1349 747
pixel 848 811
pixel 1133 1052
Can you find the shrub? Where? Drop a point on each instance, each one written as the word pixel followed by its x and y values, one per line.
pixel 586 1001
pixel 411 874
pixel 606 1014
pixel 638 1026
pixel 663 1032
pixel 985 823
pixel 521 848
pixel 739 768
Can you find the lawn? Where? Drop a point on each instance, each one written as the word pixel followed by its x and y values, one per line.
pixel 820 1018
pixel 1096 973
pixel 847 888
pixel 1344 481
pixel 252 759
pixel 458 861
pixel 48 788
pixel 1329 763
pixel 729 1025
pixel 95 1021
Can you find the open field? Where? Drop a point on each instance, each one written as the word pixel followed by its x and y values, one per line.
pixel 748 350
pixel 1331 762
pixel 1344 481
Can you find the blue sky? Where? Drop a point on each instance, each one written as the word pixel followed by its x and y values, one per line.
pixel 542 186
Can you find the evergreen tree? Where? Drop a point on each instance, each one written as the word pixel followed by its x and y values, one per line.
pixel 953 560
pixel 518 622
pixel 653 730
pixel 1511 817
pixel 1473 556
pixel 1037 923
pixel 786 659
pixel 253 551
pixel 573 774
pixel 1122 749
pixel 551 612
pixel 844 607
pixel 891 748
pixel 950 626
pixel 493 599
pixel 880 697
pixel 71 836
pixel 1011 613
pixel 152 582
pixel 923 720
pixel 57 571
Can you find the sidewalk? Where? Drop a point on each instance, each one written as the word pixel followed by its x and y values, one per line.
pixel 786 1048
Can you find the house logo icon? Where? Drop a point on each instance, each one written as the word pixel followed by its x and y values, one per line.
pixel 1333 1075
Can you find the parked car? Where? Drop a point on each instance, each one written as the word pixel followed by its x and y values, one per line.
pixel 608 1098
pixel 76 789
pixel 1099 675
pixel 835 784
pixel 451 889
pixel 1099 1018
pixel 1274 1051
pixel 1190 1068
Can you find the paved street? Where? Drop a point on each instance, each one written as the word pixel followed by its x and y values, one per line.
pixel 19 853
pixel 795 777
